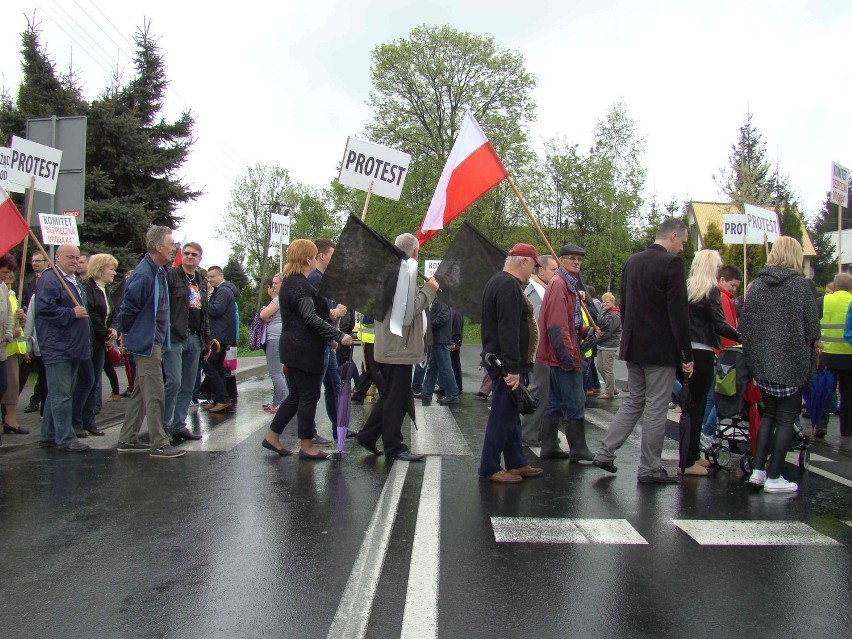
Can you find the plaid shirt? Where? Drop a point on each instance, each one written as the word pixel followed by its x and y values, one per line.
pixel 775 389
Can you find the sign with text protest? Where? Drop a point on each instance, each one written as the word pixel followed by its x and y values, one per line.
pixel 839 185
pixel 58 229
pixel 5 163
pixel 31 159
pixel 734 229
pixel 365 163
pixel 280 232
pixel 762 222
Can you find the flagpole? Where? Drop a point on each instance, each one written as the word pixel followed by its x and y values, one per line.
pixel 280 254
pixel 544 239
pixel 26 240
pixel 367 201
pixel 52 266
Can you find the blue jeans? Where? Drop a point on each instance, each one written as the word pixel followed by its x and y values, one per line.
pixel 419 375
pixel 275 370
pixel 214 370
pixel 567 397
pixel 83 415
pixel 709 425
pixel 440 369
pixel 56 423
pixel 181 366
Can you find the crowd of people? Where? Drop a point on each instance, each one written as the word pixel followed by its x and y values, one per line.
pixel 544 334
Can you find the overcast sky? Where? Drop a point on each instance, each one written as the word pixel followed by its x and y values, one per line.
pixel 287 84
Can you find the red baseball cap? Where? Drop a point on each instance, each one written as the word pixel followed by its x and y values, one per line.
pixel 525 250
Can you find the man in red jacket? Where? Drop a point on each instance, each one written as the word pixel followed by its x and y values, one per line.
pixel 560 326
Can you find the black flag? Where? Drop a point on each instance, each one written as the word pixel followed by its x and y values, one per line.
pixel 363 271
pixel 468 264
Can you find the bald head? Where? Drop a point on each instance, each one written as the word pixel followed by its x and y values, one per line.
pixel 67 249
pixel 843 282
pixel 66 258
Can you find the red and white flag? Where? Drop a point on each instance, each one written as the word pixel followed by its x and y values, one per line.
pixel 13 227
pixel 471 170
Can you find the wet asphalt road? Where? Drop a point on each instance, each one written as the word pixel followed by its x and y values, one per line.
pixel 232 541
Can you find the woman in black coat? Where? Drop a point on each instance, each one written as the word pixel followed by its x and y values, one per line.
pixel 304 335
pixel 780 327
pixel 706 324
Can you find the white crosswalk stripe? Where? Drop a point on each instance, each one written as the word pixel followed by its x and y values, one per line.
pixel 437 432
pixel 720 532
pixel 539 530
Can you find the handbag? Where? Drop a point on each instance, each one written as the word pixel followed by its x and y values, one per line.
pixel 257 333
pixel 525 401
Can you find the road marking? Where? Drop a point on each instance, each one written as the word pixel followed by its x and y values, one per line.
pixel 722 532
pixel 828 475
pixel 551 530
pixel 353 612
pixel 420 617
pixel 793 458
pixel 437 432
pixel 848 523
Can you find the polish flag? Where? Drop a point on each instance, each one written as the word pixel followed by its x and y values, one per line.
pixel 13 227
pixel 471 170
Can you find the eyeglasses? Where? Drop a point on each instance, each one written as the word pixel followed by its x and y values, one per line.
pixel 39 261
pixel 191 254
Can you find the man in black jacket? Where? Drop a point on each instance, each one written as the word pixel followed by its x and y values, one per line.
pixel 654 343
pixel 222 312
pixel 189 330
pixel 439 368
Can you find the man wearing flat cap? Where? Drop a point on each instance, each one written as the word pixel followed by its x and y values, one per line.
pixel 560 324
pixel 509 333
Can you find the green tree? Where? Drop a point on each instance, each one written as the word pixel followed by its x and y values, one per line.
pixel 791 221
pixel 748 177
pixel 714 238
pixel 234 273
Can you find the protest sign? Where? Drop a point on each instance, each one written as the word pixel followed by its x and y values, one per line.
pixel 280 230
pixel 430 267
pixel 5 164
pixel 58 229
pixel 762 223
pixel 32 160
pixel 839 185
pixel 373 168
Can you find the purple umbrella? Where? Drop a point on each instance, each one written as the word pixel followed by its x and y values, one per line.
pixel 348 371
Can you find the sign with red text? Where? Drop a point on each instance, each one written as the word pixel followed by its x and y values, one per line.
pixel 839 185
pixel 365 163
pixel 58 229
pixel 33 160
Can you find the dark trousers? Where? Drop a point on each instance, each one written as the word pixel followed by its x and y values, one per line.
pixel 331 383
pixel 214 369
pixel 301 401
pixel 776 431
pixel 503 431
pixel 368 378
pixel 699 385
pixel 455 360
pixel 395 399
pixel 109 369
pixel 844 381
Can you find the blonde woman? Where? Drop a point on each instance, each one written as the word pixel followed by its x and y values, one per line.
pixel 16 350
pixel 706 324
pixel 609 339
pixel 781 332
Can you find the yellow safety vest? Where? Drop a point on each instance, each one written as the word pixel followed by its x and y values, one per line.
pixel 834 309
pixel 586 322
pixel 17 346
pixel 367 332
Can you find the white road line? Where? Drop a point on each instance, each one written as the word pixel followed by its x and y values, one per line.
pixel 793 458
pixel 420 617
pixel 437 432
pixel 551 530
pixel 848 523
pixel 720 532
pixel 828 475
pixel 353 612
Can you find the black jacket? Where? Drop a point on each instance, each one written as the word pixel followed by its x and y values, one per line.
pixel 458 327
pixel 304 332
pixel 654 309
pixel 179 304
pixel 96 307
pixel 222 314
pixel 707 321
pixel 441 321
pixel 506 322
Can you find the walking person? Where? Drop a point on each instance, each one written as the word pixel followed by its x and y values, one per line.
pixel 655 344
pixel 16 355
pixel 780 330
pixel 7 318
pixel 609 339
pixel 837 355
pixel 271 315
pixel 706 324
pixel 305 332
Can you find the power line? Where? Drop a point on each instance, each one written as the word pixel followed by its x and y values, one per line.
pixel 80 30
pixel 97 24
pixel 72 38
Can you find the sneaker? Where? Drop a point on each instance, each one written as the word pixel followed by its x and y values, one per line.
pixel 758 478
pixel 79 447
pixel 706 442
pixel 194 403
pixel 319 440
pixel 132 447
pixel 672 405
pixel 780 485
pixel 31 408
pixel 448 401
pixel 166 452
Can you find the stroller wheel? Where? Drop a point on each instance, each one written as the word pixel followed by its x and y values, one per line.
pixel 746 464
pixel 804 457
pixel 721 455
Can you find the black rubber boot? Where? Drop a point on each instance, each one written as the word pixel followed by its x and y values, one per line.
pixel 550 438
pixel 575 431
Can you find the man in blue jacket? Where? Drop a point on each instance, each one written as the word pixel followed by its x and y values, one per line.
pixel 143 320
pixel 222 311
pixel 62 326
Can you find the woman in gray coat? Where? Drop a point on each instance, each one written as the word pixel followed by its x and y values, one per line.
pixel 780 330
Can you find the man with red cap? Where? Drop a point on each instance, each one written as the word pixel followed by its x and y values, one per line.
pixel 510 337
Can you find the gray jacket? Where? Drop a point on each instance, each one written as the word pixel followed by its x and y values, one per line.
pixel 779 325
pixel 410 348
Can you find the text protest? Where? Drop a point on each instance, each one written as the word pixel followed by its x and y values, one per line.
pixel 32 160
pixel 365 163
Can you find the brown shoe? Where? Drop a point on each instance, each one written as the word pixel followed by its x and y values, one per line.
pixel 527 471
pixel 218 408
pixel 696 470
pixel 115 397
pixel 604 396
pixel 703 462
pixel 502 477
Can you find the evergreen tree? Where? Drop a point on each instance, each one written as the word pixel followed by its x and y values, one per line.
pixel 749 177
pixel 791 222
pixel 714 239
pixel 234 273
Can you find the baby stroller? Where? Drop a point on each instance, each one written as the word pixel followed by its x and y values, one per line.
pixel 738 415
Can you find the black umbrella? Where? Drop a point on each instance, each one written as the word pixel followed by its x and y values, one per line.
pixel 684 400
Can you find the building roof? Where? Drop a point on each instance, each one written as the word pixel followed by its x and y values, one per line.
pixel 705 213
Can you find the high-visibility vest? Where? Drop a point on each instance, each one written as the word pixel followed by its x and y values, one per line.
pixel 586 323
pixel 18 346
pixel 366 332
pixel 834 309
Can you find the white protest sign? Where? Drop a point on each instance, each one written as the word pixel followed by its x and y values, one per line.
pixel 430 267
pixel 280 231
pixel 734 228
pixel 762 222
pixel 5 163
pixel 30 159
pixel 59 229
pixel 365 163
pixel 839 185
